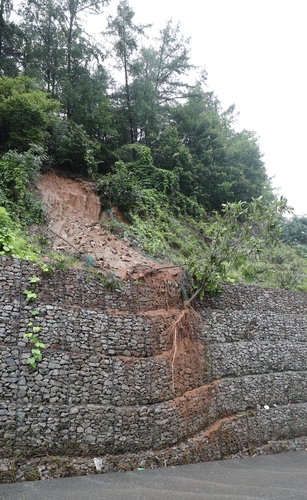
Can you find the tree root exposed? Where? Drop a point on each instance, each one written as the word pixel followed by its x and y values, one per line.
pixel 185 349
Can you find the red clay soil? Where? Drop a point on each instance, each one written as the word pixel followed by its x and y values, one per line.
pixel 76 215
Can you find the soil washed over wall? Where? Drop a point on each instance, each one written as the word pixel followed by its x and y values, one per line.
pixel 132 379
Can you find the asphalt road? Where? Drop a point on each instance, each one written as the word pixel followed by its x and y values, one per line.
pixel 273 477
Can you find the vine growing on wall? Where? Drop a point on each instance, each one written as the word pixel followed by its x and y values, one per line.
pixel 33 330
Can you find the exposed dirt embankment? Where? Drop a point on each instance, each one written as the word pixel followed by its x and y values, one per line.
pixel 76 215
pixel 69 198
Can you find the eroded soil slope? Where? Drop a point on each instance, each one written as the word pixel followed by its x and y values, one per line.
pixel 76 215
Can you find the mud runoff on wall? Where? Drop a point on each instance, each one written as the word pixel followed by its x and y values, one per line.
pixel 130 376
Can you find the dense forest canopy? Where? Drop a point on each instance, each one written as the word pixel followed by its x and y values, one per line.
pixel 125 112
pixel 58 90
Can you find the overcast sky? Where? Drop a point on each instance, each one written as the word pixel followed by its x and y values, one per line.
pixel 255 55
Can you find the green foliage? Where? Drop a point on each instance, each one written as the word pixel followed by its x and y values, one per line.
pixel 159 232
pixel 124 34
pixel 36 353
pixel 169 161
pixel 9 39
pixel 161 237
pixel 30 295
pixel 242 230
pixel 18 174
pixel 239 245
pixel 294 231
pixel 245 169
pixel 34 279
pixel 119 188
pixel 110 281
pixel 36 350
pixel 25 114
pixel 208 249
pixel 59 53
pixel 58 261
pixel 170 153
pixel 196 157
pixel 11 241
pixel 130 185
pixel 280 267
pixel 224 166
pixel 157 83
pixel 71 148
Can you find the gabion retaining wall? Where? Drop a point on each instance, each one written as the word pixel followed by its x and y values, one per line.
pixel 109 383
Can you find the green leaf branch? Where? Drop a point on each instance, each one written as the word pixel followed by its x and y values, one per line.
pixel 242 230
pixel 36 350
pixel 30 335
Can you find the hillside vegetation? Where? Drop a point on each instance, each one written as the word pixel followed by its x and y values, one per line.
pixel 191 189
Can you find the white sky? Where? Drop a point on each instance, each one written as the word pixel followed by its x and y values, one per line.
pixel 255 55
